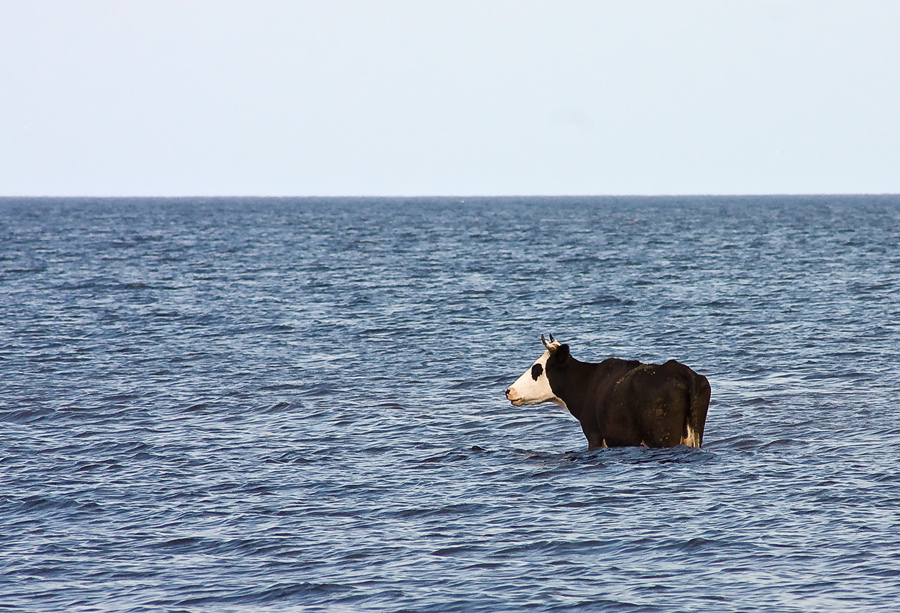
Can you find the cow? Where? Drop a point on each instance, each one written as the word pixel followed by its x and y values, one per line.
pixel 619 403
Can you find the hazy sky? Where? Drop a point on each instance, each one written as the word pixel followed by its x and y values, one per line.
pixel 389 97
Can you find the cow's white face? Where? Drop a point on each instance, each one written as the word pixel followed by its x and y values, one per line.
pixel 533 387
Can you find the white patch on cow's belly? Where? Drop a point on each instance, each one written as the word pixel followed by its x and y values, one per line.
pixel 690 440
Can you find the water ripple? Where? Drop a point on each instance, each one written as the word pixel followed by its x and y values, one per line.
pixel 236 404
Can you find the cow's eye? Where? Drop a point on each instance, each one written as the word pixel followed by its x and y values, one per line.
pixel 536 371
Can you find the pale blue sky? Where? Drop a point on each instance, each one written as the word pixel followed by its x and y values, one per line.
pixel 215 97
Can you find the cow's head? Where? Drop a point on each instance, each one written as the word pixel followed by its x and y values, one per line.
pixel 533 387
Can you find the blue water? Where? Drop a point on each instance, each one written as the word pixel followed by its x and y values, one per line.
pixel 282 404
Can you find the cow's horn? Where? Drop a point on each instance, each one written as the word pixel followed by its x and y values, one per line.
pixel 550 347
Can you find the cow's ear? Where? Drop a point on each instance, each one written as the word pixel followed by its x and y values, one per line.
pixel 561 355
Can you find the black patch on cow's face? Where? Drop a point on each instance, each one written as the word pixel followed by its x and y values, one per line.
pixel 536 371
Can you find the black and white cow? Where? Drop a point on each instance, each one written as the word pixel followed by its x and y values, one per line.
pixel 619 402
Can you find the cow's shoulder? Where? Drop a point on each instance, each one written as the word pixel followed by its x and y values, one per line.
pixel 617 365
pixel 602 377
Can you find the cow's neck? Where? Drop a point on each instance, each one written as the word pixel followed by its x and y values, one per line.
pixel 570 385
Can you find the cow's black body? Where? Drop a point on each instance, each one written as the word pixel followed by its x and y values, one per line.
pixel 625 403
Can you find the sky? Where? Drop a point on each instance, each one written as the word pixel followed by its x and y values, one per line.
pixel 485 97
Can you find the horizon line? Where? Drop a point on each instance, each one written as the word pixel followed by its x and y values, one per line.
pixel 452 196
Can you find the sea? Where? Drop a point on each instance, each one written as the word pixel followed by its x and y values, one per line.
pixel 297 404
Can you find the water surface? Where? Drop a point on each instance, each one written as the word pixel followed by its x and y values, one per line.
pixel 245 404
